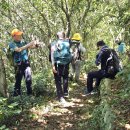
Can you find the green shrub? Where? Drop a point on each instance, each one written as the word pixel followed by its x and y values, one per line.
pixel 43 84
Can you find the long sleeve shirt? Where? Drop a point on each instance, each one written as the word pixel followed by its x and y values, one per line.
pixel 100 58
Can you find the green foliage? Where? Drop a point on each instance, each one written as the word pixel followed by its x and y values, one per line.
pixel 7 110
pixel 14 106
pixel 114 104
pixel 89 65
pixel 103 117
pixel 4 5
pixel 43 83
pixel 95 20
pixel 94 122
pixel 120 97
pixel 3 127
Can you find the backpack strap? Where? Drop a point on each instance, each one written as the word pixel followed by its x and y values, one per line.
pixel 76 44
pixel 99 55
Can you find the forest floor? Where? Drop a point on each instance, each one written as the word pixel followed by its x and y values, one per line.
pixel 46 113
pixel 54 116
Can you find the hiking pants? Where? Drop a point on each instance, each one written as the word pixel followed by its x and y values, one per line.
pixel 98 75
pixel 23 69
pixel 61 77
pixel 76 69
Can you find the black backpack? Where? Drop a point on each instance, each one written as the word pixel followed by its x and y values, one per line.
pixel 113 63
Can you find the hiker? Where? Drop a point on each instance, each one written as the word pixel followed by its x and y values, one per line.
pixel 77 51
pixel 121 46
pixel 60 59
pixel 103 57
pixel 121 49
pixel 21 60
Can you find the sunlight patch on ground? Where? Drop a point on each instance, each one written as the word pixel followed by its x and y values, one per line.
pixel 90 101
pixel 35 111
pixel 63 125
pixel 41 121
pixel 84 75
pixel 67 104
pixel 56 113
pixel 42 110
pixel 87 115
pixel 69 124
pixel 73 84
pixel 62 110
pixel 127 126
pixel 75 100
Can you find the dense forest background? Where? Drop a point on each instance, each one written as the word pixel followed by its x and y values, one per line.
pixel 41 19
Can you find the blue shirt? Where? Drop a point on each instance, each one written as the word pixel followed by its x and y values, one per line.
pixel 18 56
pixel 121 48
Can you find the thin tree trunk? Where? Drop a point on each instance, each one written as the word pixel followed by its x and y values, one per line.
pixel 3 83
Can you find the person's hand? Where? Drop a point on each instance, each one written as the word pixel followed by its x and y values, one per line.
pixel 54 70
pixel 37 43
pixel 33 44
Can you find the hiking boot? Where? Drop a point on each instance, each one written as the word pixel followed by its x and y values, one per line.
pixel 90 93
pixel 66 95
pixel 93 92
pixel 87 93
pixel 63 102
pixel 17 92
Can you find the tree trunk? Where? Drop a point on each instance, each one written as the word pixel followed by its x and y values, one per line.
pixel 3 83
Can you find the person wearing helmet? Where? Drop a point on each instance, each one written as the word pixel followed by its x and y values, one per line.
pixel 77 49
pixel 21 60
pixel 60 59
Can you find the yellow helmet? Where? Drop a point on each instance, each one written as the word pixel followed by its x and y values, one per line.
pixel 77 37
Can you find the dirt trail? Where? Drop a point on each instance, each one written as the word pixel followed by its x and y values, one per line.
pixel 73 117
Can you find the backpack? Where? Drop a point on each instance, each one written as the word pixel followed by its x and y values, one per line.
pixel 62 54
pixel 75 50
pixel 113 63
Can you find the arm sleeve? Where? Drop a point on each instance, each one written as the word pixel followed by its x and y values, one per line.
pixel 12 47
pixel 82 49
pixel 98 58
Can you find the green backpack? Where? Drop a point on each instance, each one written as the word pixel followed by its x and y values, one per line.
pixel 62 54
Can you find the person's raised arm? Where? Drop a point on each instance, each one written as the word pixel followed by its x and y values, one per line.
pixel 29 45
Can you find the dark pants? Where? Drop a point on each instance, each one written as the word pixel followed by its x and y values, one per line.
pixel 61 76
pixel 98 75
pixel 23 69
